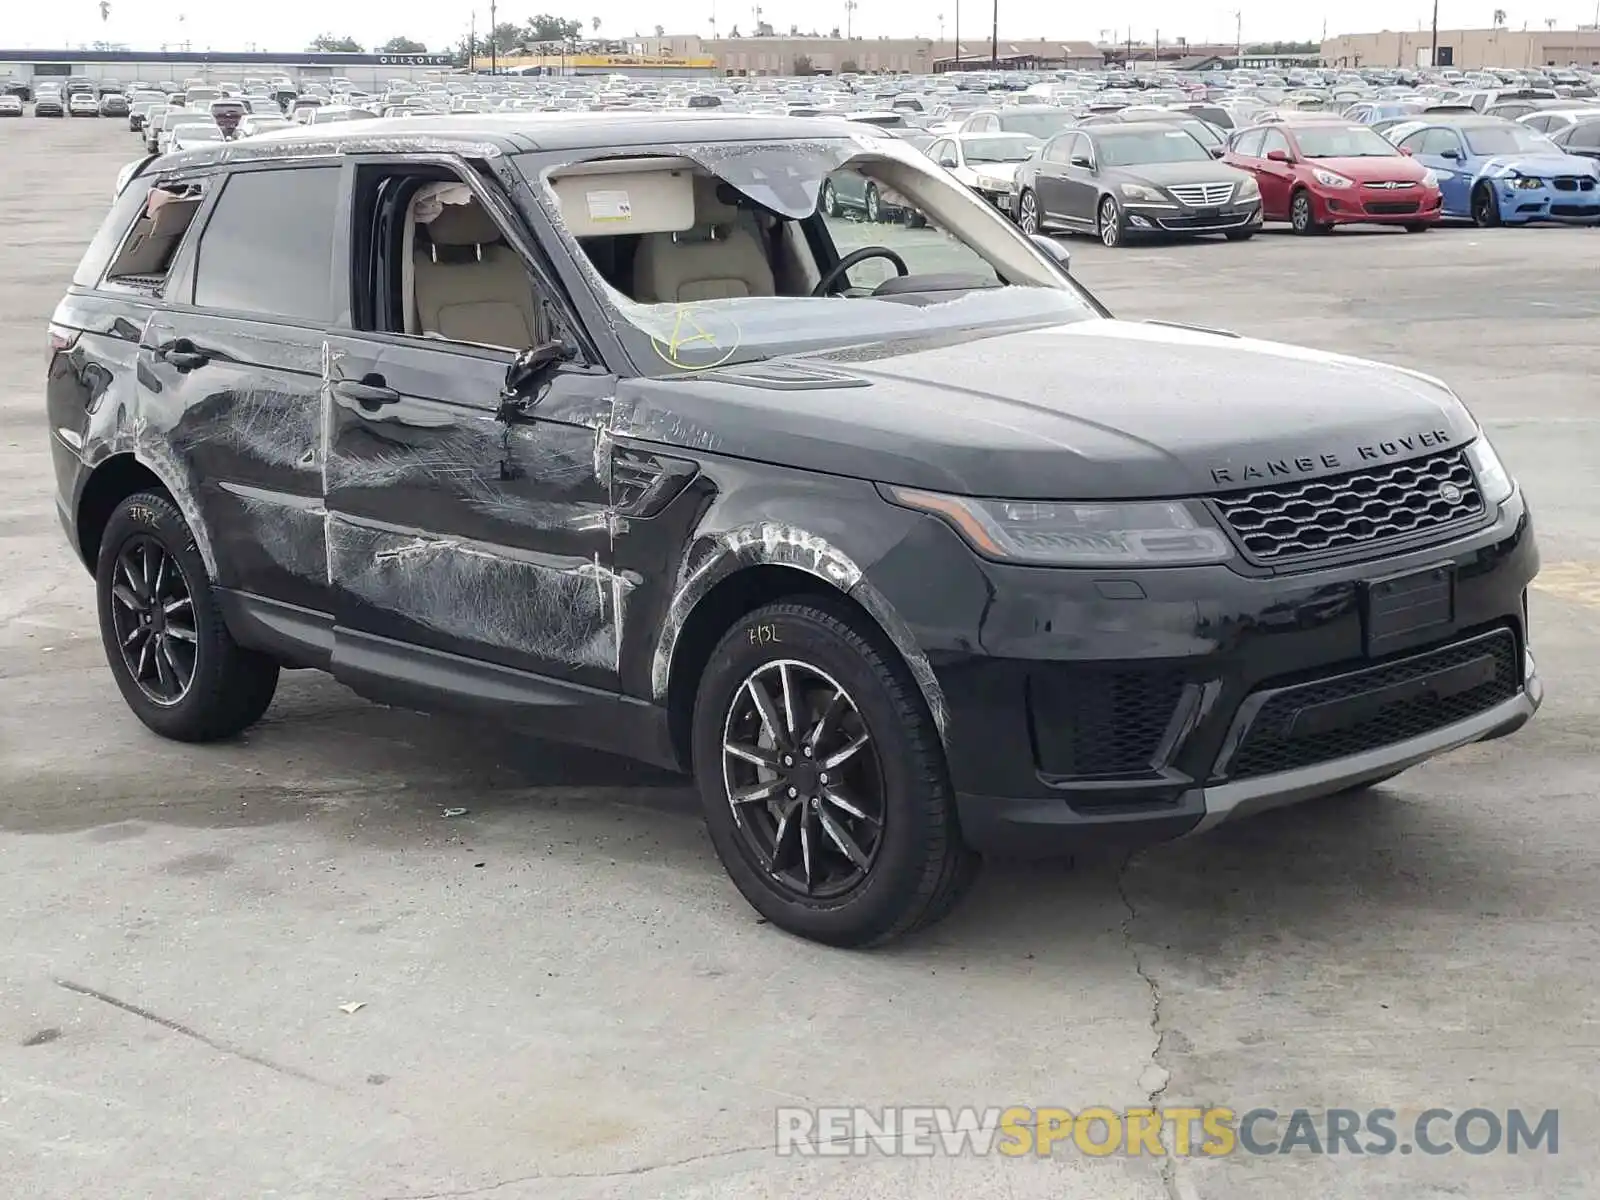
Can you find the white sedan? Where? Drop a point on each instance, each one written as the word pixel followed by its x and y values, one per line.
pixel 83 104
pixel 986 162
pixel 10 106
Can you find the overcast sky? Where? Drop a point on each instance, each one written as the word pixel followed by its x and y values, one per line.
pixel 290 24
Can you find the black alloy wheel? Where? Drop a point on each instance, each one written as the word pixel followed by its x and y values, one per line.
pixel 1302 217
pixel 165 638
pixel 152 612
pixel 1485 208
pixel 1110 223
pixel 803 778
pixel 822 776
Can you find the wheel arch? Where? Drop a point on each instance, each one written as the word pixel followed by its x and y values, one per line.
pixel 746 570
pixel 112 482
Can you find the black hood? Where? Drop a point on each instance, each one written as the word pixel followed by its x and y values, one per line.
pixel 1167 174
pixel 1098 409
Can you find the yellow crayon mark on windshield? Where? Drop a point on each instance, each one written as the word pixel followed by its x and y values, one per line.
pixel 693 343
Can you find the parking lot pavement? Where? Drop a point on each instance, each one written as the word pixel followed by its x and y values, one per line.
pixel 562 996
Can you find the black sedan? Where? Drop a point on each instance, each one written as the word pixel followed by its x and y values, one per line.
pixel 1131 179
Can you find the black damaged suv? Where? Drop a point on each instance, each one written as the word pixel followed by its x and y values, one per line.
pixel 596 424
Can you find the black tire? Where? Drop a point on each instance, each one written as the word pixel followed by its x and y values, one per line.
pixel 829 202
pixel 229 687
pixel 1302 216
pixel 1240 235
pixel 873 203
pixel 1485 208
pixel 1030 217
pixel 919 866
pixel 1108 223
pixel 1419 227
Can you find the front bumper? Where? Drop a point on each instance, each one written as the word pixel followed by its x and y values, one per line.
pixel 1087 708
pixel 1180 219
pixel 1378 206
pixel 1556 200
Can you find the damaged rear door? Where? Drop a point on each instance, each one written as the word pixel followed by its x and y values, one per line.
pixel 469 532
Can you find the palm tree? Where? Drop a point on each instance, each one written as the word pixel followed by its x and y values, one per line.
pixel 1499 17
pixel 595 23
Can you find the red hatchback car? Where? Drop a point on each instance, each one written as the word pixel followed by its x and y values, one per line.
pixel 1316 176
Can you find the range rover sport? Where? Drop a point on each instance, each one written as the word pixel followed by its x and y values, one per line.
pixel 909 553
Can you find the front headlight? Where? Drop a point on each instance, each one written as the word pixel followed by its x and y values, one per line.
pixel 1329 179
pixel 1249 189
pixel 1494 481
pixel 1526 183
pixel 1138 191
pixel 1071 534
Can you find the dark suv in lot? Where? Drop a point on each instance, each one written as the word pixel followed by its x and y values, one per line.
pixel 597 426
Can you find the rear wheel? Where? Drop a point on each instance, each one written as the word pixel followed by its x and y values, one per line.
pixel 1485 208
pixel 823 778
pixel 170 651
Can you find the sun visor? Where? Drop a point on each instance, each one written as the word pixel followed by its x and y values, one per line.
pixel 605 203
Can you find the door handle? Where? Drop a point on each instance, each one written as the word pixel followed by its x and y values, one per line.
pixel 370 393
pixel 183 354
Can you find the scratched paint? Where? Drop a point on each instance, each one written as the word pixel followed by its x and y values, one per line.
pixel 568 612
pixel 278 428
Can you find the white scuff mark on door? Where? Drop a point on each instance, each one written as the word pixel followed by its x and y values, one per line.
pixel 275 427
pixel 567 613
pixel 293 536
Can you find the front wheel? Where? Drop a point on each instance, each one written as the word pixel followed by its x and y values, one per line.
pixel 169 649
pixel 1240 235
pixel 1485 208
pixel 1302 217
pixel 1110 223
pixel 830 200
pixel 1028 216
pixel 1418 227
pixel 874 204
pixel 823 778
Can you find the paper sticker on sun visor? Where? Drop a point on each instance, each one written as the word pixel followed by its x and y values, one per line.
pixel 610 205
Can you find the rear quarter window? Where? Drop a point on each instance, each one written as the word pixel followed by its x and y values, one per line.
pixel 125 209
pixel 267 248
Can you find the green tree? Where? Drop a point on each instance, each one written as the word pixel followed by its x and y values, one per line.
pixel 548 28
pixel 661 32
pixel 505 37
pixel 402 45
pixel 802 64
pixel 848 67
pixel 326 43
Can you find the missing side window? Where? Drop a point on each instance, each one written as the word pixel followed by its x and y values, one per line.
pixel 146 256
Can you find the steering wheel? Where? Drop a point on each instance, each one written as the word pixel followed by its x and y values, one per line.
pixel 854 258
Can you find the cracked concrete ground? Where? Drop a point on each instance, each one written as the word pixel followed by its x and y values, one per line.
pixel 563 996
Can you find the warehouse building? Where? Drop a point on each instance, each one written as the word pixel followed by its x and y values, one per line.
pixel 366 71
pixel 1467 48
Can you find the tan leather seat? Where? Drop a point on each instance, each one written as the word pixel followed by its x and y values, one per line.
pixel 468 285
pixel 720 258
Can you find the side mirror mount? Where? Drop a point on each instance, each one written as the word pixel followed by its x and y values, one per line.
pixel 1218 151
pixel 1279 156
pixel 1082 160
pixel 1452 154
pixel 1054 250
pixel 526 376
pixel 1407 151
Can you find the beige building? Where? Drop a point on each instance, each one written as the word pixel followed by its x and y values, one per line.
pixel 1466 48
pixel 779 55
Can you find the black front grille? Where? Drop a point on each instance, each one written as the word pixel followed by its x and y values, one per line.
pixel 1574 183
pixel 1392 207
pixel 1271 743
pixel 1351 512
pixel 1089 721
pixel 1573 210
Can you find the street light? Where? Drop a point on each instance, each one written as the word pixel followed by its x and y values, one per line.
pixel 1433 46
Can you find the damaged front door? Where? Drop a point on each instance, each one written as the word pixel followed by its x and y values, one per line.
pixel 469 539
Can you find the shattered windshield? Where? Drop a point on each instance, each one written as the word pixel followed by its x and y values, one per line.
pixel 733 252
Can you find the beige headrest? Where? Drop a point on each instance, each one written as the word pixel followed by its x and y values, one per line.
pixel 463 225
pixel 708 208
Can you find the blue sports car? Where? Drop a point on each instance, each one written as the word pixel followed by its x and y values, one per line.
pixel 1497 172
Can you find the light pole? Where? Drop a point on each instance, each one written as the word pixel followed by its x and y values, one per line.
pixel 850 7
pixel 494 42
pixel 994 38
pixel 1433 46
pixel 958 35
pixel 1238 38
